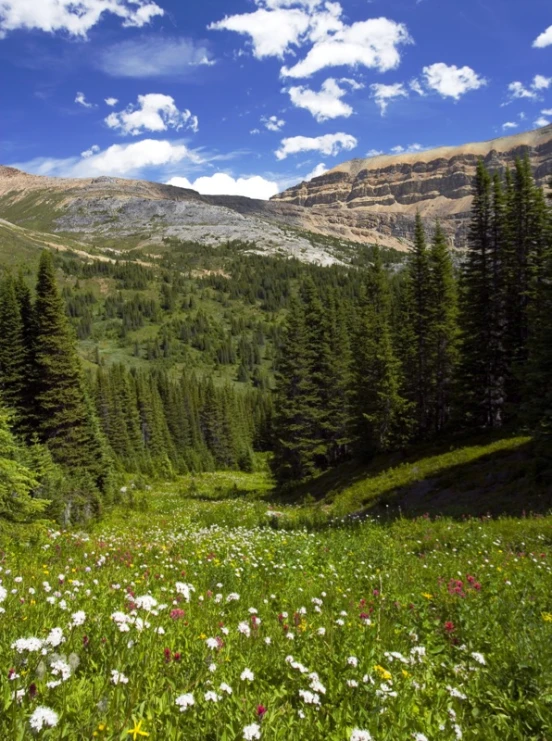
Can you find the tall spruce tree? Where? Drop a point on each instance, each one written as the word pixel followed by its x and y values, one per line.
pixel 443 331
pixel 482 393
pixel 417 330
pixel 384 415
pixel 295 418
pixel 13 353
pixel 63 414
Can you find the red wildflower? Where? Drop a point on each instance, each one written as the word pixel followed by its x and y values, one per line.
pixel 449 627
pixel 261 710
pixel 177 614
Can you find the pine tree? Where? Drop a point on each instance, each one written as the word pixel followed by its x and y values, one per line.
pixel 416 342
pixel 12 353
pixel 384 415
pixel 482 393
pixel 443 331
pixel 63 419
pixel 294 420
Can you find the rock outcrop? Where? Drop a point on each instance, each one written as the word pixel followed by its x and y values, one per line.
pixel 384 193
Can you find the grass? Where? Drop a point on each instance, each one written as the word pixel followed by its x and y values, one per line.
pixel 188 592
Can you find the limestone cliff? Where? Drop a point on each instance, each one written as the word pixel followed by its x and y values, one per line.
pixel 384 193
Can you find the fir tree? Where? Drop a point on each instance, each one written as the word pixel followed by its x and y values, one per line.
pixel 295 448
pixel 13 353
pixel 63 419
pixel 443 331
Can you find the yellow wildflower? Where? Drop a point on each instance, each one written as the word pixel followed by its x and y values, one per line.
pixel 547 617
pixel 384 674
pixel 427 595
pixel 137 731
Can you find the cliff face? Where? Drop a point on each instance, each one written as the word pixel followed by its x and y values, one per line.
pixel 384 193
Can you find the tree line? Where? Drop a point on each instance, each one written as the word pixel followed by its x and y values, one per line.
pixel 433 351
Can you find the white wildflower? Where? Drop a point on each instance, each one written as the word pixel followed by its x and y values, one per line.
pixel 118 677
pixel 185 701
pixel 252 732
pixel 248 675
pixel 43 718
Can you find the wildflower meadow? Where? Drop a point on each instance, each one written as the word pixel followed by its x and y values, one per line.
pixel 161 624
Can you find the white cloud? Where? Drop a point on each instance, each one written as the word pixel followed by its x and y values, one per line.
pixel 275 28
pixel 533 92
pixel 324 104
pixel 374 153
pixel 542 122
pixel 222 184
pixel 74 18
pixel 541 83
pixel 452 81
pixel 416 86
pixel 373 44
pixel 94 149
pixel 319 170
pixel 510 125
pixel 273 123
pixel 155 56
pixel 547 112
pixel 81 100
pixel 329 144
pixel 545 39
pixel 111 102
pixel 410 149
pixel 125 160
pixel 272 32
pixel 383 94
pixel 154 112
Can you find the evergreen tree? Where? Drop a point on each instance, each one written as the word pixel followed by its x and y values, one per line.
pixel 482 393
pixel 63 415
pixel 443 331
pixel 12 353
pixel 417 329
pixel 384 415
pixel 295 449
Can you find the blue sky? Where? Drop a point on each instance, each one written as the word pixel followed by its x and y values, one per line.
pixel 252 96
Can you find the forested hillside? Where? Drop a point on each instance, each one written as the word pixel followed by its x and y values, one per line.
pixel 203 358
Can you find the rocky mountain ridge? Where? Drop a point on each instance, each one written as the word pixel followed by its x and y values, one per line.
pixel 385 192
pixel 360 201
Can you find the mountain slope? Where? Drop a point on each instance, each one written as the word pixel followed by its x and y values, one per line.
pixel 385 192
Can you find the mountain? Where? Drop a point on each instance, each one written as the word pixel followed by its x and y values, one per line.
pixel 320 221
pixel 384 193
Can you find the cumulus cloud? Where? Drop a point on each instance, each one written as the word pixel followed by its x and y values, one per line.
pixel 545 39
pixel 73 18
pixel 329 144
pixel 325 103
pixel 222 184
pixel 383 94
pixel 154 56
pixel 81 100
pixel 410 149
pixel 542 121
pixel 533 91
pixel 451 81
pixel 272 123
pixel 374 152
pixel 374 44
pixel 111 102
pixel 94 149
pixel 276 29
pixel 272 32
pixel 509 125
pixel 319 170
pixel 154 112
pixel 124 160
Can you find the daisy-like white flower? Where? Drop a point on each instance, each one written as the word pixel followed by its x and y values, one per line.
pixel 3 593
pixel 352 661
pixel 233 597
pixel 359 735
pixel 212 696
pixel 55 637
pixel 244 629
pixel 479 658
pixel 252 732
pixel 212 643
pixel 247 675
pixel 225 688
pixel 31 645
pixel 185 701
pixel 78 618
pixel 118 677
pixel 146 602
pixel 419 737
pixel 310 698
pixel 43 718
pixel 184 589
